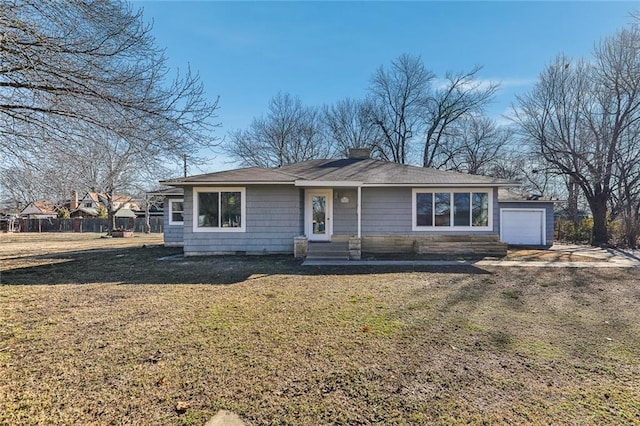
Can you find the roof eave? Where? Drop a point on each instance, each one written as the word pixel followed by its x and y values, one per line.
pixel 529 201
pixel 228 182
pixel 442 185
pixel 335 184
pixel 329 183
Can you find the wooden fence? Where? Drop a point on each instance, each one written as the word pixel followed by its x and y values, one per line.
pixel 85 225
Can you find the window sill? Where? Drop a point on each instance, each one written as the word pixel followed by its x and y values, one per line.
pixel 236 230
pixel 451 228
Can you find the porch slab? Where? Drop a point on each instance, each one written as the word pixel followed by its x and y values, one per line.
pixel 501 263
pixel 313 262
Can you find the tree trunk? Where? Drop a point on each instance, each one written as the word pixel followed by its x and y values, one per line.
pixel 572 201
pixel 598 206
pixel 112 221
pixel 635 223
pixel 147 220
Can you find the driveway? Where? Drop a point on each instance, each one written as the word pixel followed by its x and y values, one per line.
pixel 570 256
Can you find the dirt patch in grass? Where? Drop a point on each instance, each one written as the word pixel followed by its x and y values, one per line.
pixel 548 256
pixel 87 342
pixel 515 254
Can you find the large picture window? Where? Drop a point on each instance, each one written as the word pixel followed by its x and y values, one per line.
pixel 480 209
pixel 451 209
pixel 424 209
pixel 442 208
pixel 219 210
pixel 176 212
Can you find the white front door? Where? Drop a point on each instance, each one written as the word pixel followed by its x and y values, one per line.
pixel 318 216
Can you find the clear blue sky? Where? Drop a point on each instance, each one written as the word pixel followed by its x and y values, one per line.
pixel 245 52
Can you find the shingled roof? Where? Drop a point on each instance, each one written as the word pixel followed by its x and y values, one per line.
pixel 367 172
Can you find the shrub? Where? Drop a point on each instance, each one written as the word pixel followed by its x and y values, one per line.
pixel 64 213
pixel 102 212
pixel 624 231
pixel 567 231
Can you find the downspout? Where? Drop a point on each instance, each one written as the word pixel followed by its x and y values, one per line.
pixel 359 211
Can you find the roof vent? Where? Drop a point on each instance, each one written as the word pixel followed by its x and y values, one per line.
pixel 359 153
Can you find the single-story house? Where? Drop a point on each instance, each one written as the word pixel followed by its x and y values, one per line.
pixel 362 204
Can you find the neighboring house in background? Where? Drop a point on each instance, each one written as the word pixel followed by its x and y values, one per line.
pixel 88 205
pixel 368 206
pixel 39 210
pixel 154 211
pixel 526 219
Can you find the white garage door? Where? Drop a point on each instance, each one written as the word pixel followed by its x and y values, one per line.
pixel 522 226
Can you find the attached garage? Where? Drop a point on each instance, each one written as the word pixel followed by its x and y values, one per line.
pixel 525 220
pixel 523 226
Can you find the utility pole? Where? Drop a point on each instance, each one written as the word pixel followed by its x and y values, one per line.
pixel 184 161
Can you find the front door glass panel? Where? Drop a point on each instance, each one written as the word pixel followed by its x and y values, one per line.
pixel 319 205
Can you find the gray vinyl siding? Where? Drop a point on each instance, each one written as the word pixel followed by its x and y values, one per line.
pixel 173 234
pixel 388 211
pixel 275 215
pixel 548 207
pixel 273 219
pixel 345 215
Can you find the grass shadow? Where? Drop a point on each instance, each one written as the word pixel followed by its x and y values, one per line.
pixel 622 253
pixel 165 265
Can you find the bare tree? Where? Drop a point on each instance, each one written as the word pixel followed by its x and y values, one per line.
pixel 407 106
pixel 509 168
pixel 24 184
pixel 349 124
pixel 289 133
pixel 116 168
pixel 625 194
pixel 21 186
pixel 582 115
pixel 104 164
pixel 399 95
pixel 125 170
pixel 77 71
pixel 94 63
pixel 473 145
pixel 462 95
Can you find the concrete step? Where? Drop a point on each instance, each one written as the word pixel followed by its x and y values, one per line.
pixel 335 250
pixel 327 257
pixel 328 246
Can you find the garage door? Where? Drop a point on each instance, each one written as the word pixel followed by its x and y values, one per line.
pixel 522 226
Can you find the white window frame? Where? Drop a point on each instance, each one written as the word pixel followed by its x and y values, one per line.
pixel 243 208
pixel 171 201
pixel 451 227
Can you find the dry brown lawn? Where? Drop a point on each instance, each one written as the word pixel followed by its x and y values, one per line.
pixel 119 336
pixel 548 256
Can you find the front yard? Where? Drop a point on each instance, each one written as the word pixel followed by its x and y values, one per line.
pixel 120 337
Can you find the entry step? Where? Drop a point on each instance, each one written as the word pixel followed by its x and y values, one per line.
pixel 334 250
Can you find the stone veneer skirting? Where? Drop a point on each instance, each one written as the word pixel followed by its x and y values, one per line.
pixel 435 245
pixel 441 245
pixel 300 247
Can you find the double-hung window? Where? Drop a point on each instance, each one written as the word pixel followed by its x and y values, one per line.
pixel 219 209
pixel 452 210
pixel 176 212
